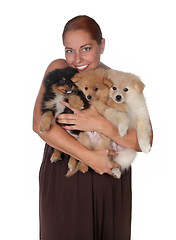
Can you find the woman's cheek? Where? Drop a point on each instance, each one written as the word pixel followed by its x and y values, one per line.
pixel 69 58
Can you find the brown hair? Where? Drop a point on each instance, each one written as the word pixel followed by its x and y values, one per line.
pixel 85 23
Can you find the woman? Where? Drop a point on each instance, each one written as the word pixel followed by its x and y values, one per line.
pixel 94 205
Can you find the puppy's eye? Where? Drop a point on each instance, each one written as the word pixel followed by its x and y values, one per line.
pixel 125 89
pixel 62 82
pixel 114 88
pixel 96 89
pixel 86 88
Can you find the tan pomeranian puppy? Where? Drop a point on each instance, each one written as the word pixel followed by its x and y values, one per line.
pixel 128 89
pixel 95 86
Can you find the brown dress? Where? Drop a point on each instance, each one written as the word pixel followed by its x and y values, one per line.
pixel 85 206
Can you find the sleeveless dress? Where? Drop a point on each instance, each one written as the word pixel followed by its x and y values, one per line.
pixel 85 206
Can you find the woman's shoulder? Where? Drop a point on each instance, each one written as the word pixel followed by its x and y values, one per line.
pixel 57 63
pixel 104 66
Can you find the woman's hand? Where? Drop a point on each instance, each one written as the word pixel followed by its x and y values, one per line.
pixel 87 120
pixel 84 120
pixel 100 162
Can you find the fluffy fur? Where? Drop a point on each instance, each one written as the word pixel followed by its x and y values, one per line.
pixel 59 86
pixel 127 89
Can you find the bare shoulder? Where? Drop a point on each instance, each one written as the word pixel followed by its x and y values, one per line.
pixel 58 63
pixel 104 66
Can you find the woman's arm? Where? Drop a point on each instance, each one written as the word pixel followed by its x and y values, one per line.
pixel 58 138
pixel 129 140
pixel 96 122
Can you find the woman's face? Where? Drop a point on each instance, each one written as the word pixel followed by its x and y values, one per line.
pixel 81 52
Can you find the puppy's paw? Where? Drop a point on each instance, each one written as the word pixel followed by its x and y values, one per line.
pixel 122 132
pixel 116 173
pixel 69 174
pixel 44 126
pixel 45 122
pixel 55 157
pixel 76 102
pixel 122 129
pixel 122 123
pixel 71 167
pixel 145 146
pixel 146 149
pixel 72 164
pixel 83 167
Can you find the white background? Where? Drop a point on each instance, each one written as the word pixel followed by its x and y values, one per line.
pixel 140 38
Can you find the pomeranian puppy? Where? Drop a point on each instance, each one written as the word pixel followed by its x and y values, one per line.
pixel 128 89
pixel 60 87
pixel 95 87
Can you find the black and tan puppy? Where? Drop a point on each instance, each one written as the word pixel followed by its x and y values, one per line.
pixel 59 87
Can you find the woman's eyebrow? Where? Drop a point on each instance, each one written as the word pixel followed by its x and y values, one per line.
pixel 85 45
pixel 80 47
pixel 68 48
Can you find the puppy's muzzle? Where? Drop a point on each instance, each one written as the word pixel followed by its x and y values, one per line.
pixel 69 89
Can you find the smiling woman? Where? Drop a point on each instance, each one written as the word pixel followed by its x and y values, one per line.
pixel 94 205
pixel 81 51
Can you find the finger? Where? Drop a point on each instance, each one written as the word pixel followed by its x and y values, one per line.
pixel 116 165
pixel 66 104
pixel 66 116
pixel 67 121
pixel 68 127
pixel 92 107
pixel 110 172
pixel 112 153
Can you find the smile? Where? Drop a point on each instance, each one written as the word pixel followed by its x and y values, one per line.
pixel 82 68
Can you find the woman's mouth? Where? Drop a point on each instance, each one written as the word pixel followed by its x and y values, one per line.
pixel 82 68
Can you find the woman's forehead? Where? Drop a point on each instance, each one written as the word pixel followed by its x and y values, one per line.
pixel 78 39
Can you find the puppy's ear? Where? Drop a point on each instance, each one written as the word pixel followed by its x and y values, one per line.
pixel 47 82
pixel 139 85
pixel 52 78
pixel 76 78
pixel 107 82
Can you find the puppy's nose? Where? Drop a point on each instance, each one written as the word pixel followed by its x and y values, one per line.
pixel 89 97
pixel 118 98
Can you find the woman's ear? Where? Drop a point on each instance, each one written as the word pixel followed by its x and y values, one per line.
pixel 102 46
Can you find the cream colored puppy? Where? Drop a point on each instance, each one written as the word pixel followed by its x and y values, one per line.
pixel 127 89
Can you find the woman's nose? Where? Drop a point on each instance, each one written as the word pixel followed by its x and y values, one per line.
pixel 78 58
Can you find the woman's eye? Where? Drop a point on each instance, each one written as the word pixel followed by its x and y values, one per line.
pixel 125 89
pixel 114 88
pixel 96 89
pixel 86 49
pixel 86 88
pixel 68 50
